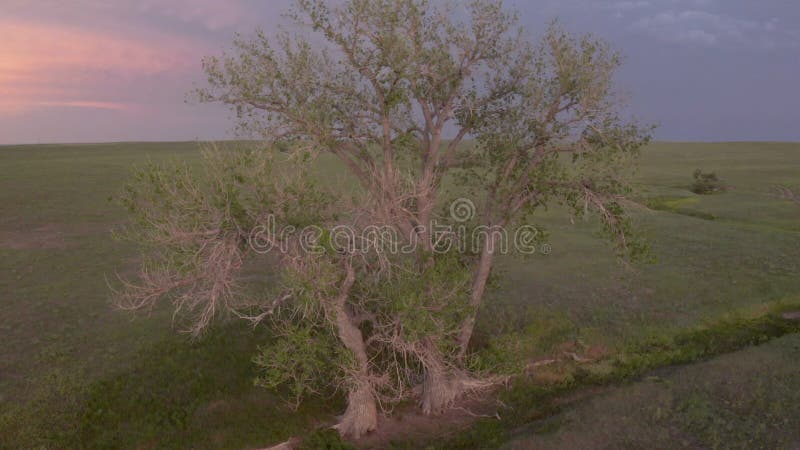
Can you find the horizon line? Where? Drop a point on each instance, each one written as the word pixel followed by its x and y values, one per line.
pixel 199 141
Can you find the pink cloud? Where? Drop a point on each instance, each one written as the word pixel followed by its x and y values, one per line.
pixel 57 65
pixel 14 107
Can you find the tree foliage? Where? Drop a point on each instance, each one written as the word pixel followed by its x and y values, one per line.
pixel 393 89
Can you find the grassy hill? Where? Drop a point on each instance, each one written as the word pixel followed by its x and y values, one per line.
pixel 76 373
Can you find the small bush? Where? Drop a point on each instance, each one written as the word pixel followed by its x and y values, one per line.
pixel 706 183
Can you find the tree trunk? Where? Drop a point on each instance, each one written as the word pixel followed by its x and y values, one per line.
pixel 482 272
pixel 440 387
pixel 361 415
pixel 443 385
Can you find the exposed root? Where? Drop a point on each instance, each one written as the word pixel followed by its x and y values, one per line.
pixel 793 315
pixel 544 362
pixel 577 358
pixel 287 445
pixel 472 414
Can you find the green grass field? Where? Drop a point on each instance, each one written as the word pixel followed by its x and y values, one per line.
pixel 745 399
pixel 75 373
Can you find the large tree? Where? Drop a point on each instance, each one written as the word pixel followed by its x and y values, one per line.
pixel 409 96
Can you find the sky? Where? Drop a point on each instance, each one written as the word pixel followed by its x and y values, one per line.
pixel 114 70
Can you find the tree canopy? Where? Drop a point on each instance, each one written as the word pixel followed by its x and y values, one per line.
pixel 420 102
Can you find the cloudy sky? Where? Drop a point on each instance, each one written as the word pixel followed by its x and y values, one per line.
pixel 110 70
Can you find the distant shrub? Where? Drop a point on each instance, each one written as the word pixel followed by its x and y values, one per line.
pixel 706 183
pixel 787 193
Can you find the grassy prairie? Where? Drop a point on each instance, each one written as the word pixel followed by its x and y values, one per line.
pixel 55 252
pixel 744 399
pixel 716 254
pixel 76 373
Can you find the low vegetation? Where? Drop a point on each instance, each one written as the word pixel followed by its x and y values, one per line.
pixel 706 183
pixel 530 410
